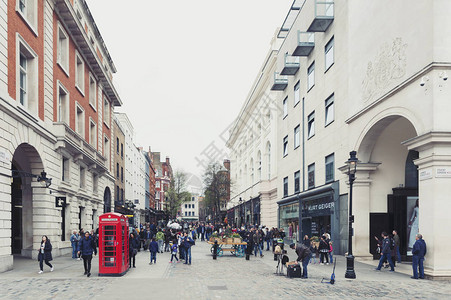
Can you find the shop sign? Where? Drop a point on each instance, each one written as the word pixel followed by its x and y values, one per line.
pixel 426 174
pixel 443 172
pixel 319 207
pixel 109 220
pixel 5 157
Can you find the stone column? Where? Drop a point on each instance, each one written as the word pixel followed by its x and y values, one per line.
pixel 6 259
pixel 434 190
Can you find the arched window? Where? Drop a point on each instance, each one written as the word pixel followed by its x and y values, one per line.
pixel 251 171
pixel 259 166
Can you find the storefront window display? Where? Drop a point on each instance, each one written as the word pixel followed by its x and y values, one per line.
pixel 289 220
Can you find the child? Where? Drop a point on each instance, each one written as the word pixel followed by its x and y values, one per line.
pixel 153 248
pixel 331 257
pixel 174 252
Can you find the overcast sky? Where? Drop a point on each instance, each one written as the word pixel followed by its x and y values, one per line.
pixel 184 68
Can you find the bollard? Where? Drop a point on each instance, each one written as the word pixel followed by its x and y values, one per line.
pixel 215 250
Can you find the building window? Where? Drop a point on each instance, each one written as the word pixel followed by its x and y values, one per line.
pixel 79 73
pixel 63 104
pixel 329 53
pixel 122 196
pixel 193 206
pixel 329 110
pixel 157 195
pixel 259 165
pixel 192 198
pixel 117 170
pixel 297 136
pixel 28 10
pixel 92 92
pixel 92 133
pixel 311 176
pixel 63 49
pixel 95 183
pixel 186 205
pixel 82 177
pixel 285 187
pixel 330 168
pixel 79 120
pixel 311 125
pixel 311 76
pixel 157 184
pixel 285 146
pixel 117 145
pixel 106 111
pixel 285 107
pixel 297 93
pixel 106 152
pixel 122 174
pixel 297 181
pixel 186 213
pixel 117 193
pixel 27 76
pixel 122 150
pixel 268 152
pixel 66 169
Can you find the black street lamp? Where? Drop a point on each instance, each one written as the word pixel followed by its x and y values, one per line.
pixel 241 213
pixel 352 168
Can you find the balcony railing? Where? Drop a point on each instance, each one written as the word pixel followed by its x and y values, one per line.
pixel 306 43
pixel 324 16
pixel 291 65
pixel 280 82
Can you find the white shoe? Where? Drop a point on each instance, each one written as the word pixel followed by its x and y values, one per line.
pixel 78 258
pixel 327 263
pixel 51 269
pixel 40 272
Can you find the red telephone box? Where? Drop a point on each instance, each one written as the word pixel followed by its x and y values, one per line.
pixel 113 244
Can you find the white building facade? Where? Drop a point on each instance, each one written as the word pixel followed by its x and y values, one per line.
pixel 369 76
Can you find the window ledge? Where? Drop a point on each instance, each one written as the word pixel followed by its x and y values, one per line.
pixel 107 126
pixel 297 147
pixel 284 117
pixel 31 26
pixel 80 90
pixel 310 137
pixel 92 106
pixel 329 68
pixel 329 123
pixel 311 88
pixel 296 104
pixel 63 68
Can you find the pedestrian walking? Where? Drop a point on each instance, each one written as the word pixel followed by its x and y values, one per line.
pixel 153 248
pixel 418 252
pixel 160 240
pixel 133 249
pixel 187 243
pixel 324 249
pixel 45 254
pixel 268 238
pixel 86 247
pixel 397 241
pixel 304 255
pixel 74 238
pixel 174 252
pixel 331 252
pixel 386 253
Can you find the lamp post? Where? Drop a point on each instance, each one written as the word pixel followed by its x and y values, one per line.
pixel 352 168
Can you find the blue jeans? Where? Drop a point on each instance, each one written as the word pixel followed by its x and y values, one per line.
pixel 331 257
pixel 417 262
pixel 188 255
pixel 153 257
pixel 305 262
pixel 398 255
pixel 388 257
pixel 74 249
pixel 256 248
pixel 268 244
pixel 160 245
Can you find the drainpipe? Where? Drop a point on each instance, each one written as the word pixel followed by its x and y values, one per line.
pixel 301 237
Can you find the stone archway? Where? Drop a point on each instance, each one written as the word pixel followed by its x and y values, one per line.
pixel 107 200
pixel 25 191
pixel 383 159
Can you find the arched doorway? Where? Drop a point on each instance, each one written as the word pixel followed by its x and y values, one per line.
pixel 107 200
pixel 24 188
pixel 391 182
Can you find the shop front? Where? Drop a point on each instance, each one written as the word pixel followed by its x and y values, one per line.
pixel 289 220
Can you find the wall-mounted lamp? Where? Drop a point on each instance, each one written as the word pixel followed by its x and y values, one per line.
pixel 42 178
pixel 443 75
pixel 423 81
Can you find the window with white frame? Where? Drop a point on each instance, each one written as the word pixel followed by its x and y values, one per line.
pixel 92 133
pixel 65 169
pixel 311 76
pixel 259 165
pixel 106 111
pixel 82 177
pixel 311 125
pixel 329 109
pixel 79 73
pixel 79 120
pixel 285 187
pixel 28 10
pixel 62 49
pixel 297 136
pixel 95 182
pixel 297 93
pixel 297 176
pixel 106 151
pixel 27 76
pixel 268 154
pixel 330 168
pixel 329 53
pixel 92 92
pixel 157 184
pixel 63 104
pixel 285 107
pixel 311 176
pixel 157 195
pixel 285 146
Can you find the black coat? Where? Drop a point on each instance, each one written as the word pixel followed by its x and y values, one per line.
pixel 47 252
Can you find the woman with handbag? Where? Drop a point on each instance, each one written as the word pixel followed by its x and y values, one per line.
pixel 45 254
pixel 133 246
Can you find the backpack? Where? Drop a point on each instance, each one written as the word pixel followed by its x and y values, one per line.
pixel 392 244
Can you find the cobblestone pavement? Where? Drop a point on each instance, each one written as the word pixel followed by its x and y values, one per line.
pixel 225 278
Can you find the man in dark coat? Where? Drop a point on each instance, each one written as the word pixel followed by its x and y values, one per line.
pixel 303 256
pixel 86 247
pixel 386 253
pixel 419 251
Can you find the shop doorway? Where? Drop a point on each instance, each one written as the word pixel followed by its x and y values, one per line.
pixel 316 226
